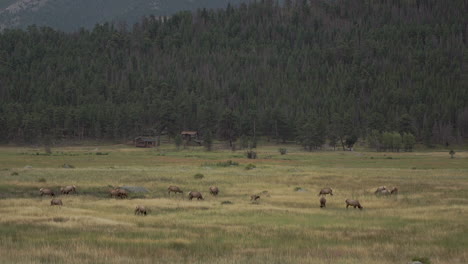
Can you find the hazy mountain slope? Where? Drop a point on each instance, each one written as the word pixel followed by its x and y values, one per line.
pixel 70 15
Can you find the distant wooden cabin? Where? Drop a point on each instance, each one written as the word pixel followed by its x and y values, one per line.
pixel 145 142
pixel 191 138
pixel 189 135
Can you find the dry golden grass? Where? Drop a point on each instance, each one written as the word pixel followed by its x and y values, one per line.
pixel 426 219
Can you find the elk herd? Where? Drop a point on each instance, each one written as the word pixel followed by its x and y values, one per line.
pixel 214 191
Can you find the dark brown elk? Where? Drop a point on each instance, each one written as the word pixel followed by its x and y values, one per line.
pixel 325 191
pixel 323 202
pixel 140 210
pixel 114 193
pixel 56 202
pixel 394 190
pixel 214 190
pixel 174 189
pixel 353 203
pixel 122 194
pixel 68 189
pixel 46 191
pixel 197 195
pixel 254 197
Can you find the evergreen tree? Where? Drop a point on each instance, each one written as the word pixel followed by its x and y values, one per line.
pixel 228 127
pixel 208 141
pixel 408 141
pixel 178 141
pixel 183 72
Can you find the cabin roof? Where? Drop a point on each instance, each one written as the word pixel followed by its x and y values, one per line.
pixel 188 133
pixel 147 139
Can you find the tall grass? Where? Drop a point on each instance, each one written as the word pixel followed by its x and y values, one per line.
pixel 427 219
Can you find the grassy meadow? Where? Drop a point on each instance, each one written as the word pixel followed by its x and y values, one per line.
pixel 427 219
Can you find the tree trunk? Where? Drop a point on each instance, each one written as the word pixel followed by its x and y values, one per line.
pixel 276 132
pixel 254 132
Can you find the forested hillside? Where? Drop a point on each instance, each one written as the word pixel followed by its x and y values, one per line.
pixel 70 15
pixel 306 71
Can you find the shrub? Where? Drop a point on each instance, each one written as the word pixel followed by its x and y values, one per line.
pixel 178 141
pixel 41 180
pixel 227 163
pixel 14 173
pixel 408 141
pixel 198 176
pixel 452 153
pixel 283 151
pixel 250 166
pixel 251 154
pixel 67 166
pixel 60 219
pixel 102 153
pixel 226 202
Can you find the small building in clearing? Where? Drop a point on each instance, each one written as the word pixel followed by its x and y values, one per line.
pixel 145 142
pixel 189 135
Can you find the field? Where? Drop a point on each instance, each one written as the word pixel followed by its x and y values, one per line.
pixel 427 219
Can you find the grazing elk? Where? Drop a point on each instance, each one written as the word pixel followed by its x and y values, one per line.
pixel 325 191
pixel 382 192
pixel 68 189
pixel 381 188
pixel 46 191
pixel 118 193
pixel 122 194
pixel 197 195
pixel 254 197
pixel 56 202
pixel 174 189
pixel 114 193
pixel 353 203
pixel 214 190
pixel 323 202
pixel 140 210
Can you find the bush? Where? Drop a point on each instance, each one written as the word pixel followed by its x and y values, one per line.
pixel 41 180
pixel 408 141
pixel 198 176
pixel 226 202
pixel 102 153
pixel 251 154
pixel 67 166
pixel 250 166
pixel 178 141
pixel 452 153
pixel 14 173
pixel 227 163
pixel 283 151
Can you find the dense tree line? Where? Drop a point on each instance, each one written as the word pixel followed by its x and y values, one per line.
pixel 310 71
